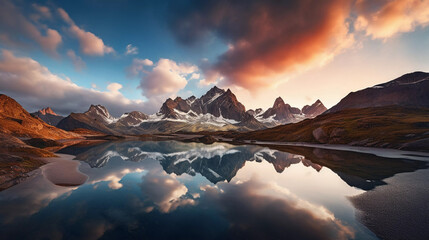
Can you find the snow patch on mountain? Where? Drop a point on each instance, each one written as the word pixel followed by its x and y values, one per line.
pixel 213 98
pixel 192 118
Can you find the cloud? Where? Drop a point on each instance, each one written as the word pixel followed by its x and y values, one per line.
pixel 267 39
pixel 166 78
pixel 43 12
pixel 131 50
pixel 137 67
pixel 114 87
pixel 205 83
pixel 16 29
pixel 78 63
pixel 35 87
pixel 195 76
pixel 90 44
pixel 166 192
pixel 271 212
pixel 387 18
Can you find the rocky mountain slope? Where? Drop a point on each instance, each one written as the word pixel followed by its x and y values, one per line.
pixel 96 118
pixel 16 121
pixel 409 90
pixel 48 116
pixel 314 110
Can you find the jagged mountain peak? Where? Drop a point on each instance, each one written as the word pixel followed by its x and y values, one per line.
pixel 48 115
pixel 96 106
pixel 314 109
pixel 133 118
pixel 191 98
pixel 215 88
pixel 229 94
pixel 211 95
pixel 100 113
pixel 99 109
pixel 278 102
pixel 281 111
pixel 46 111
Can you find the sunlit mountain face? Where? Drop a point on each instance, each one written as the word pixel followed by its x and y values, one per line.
pixel 221 190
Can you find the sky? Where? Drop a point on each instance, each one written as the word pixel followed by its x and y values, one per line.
pixel 133 55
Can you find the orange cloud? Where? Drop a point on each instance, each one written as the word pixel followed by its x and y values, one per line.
pixel 267 39
pixel 384 19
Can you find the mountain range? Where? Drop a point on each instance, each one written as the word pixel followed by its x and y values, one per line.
pixel 217 110
pixel 393 114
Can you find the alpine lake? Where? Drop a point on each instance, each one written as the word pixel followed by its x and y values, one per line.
pixel 177 190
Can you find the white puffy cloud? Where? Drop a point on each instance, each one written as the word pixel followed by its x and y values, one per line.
pixel 386 18
pixel 35 87
pixel 131 50
pixel 114 87
pixel 16 29
pixel 166 79
pixel 78 63
pixel 90 44
pixel 137 67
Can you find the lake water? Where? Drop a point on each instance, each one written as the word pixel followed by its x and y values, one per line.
pixel 175 190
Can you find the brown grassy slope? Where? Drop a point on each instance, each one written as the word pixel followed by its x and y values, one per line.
pixel 391 126
pixel 16 121
pixel 87 132
pixel 17 159
pixel 14 146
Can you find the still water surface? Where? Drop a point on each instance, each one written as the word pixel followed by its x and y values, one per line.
pixel 175 190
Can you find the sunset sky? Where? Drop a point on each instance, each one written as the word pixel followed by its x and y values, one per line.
pixel 132 55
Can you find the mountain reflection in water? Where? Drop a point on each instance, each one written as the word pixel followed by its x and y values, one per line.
pixel 174 190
